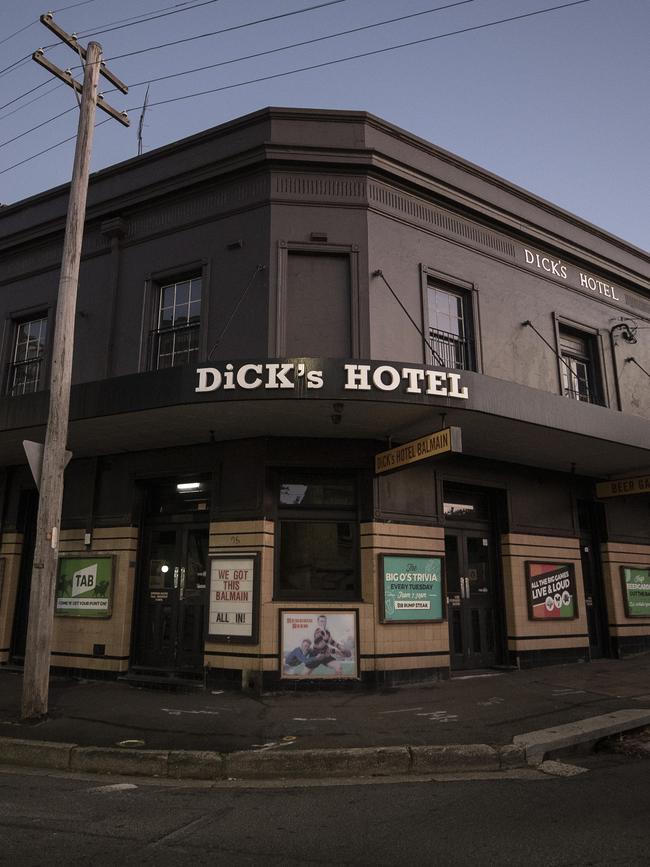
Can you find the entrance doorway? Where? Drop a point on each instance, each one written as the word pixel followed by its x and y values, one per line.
pixel 473 598
pixel 592 577
pixel 173 580
pixel 470 593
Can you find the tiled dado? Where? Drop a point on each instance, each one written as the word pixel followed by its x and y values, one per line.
pixel 524 634
pixel 614 556
pixel 74 637
pixel 11 545
pixel 397 646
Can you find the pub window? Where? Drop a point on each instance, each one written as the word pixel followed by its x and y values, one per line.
pixel 318 533
pixel 26 368
pixel 175 339
pixel 450 332
pixel 579 366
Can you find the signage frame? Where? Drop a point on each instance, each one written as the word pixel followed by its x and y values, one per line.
pixel 629 487
pixel 85 555
pixel 454 445
pixel 557 564
pixel 626 600
pixel 314 613
pixel 229 638
pixel 381 576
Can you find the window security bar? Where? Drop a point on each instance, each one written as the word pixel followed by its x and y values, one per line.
pixel 457 352
pixel 436 356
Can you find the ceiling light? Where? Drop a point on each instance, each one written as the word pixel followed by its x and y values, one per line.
pixel 188 486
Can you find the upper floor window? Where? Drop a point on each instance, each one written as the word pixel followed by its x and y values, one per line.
pixel 450 328
pixel 175 341
pixel 28 356
pixel 579 366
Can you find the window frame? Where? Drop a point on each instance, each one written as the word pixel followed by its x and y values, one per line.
pixel 278 316
pixel 594 357
pixel 292 514
pixel 430 278
pixel 155 282
pixel 13 321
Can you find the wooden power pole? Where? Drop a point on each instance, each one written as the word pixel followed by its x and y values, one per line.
pixel 44 572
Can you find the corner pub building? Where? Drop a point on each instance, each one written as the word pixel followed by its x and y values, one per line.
pixel 345 407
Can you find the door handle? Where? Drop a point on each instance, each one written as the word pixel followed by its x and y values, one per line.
pixel 464 587
pixel 182 581
pixel 175 577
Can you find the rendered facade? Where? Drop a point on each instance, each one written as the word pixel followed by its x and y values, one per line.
pixel 345 407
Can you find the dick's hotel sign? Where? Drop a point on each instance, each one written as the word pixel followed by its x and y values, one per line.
pixel 552 266
pixel 350 377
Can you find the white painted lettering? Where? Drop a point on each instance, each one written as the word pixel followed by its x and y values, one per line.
pixel 209 379
pixel 378 378
pixel 454 383
pixel 357 377
pixel 229 378
pixel 278 376
pixel 314 379
pixel 414 377
pixel 242 382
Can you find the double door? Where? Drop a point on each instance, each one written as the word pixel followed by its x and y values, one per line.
pixel 470 565
pixel 173 581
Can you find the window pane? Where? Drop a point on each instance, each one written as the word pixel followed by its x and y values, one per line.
pixel 318 558
pixel 179 316
pixel 317 491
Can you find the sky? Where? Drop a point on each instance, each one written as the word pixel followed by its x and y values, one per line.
pixel 556 103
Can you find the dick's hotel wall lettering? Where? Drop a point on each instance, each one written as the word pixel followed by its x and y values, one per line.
pixel 555 267
pixel 357 378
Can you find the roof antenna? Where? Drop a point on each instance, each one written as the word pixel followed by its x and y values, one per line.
pixel 141 123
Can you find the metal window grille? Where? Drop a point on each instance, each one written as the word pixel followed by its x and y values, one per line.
pixel 175 341
pixel 28 356
pixel 449 329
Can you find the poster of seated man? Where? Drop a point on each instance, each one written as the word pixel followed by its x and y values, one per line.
pixel 318 644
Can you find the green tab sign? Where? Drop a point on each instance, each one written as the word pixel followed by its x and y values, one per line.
pixel 411 588
pixel 636 590
pixel 84 586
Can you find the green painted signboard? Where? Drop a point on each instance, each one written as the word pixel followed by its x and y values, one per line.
pixel 636 590
pixel 84 586
pixel 411 588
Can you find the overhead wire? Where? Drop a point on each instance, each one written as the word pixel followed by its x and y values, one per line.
pixel 323 64
pixel 298 44
pixel 84 33
pixel 148 18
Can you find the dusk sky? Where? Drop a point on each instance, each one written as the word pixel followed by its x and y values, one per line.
pixel 556 103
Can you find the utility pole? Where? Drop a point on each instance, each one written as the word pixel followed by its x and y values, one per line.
pixel 44 573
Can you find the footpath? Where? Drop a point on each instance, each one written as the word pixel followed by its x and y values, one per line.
pixel 476 721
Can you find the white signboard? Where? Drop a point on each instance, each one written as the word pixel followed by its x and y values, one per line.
pixel 232 606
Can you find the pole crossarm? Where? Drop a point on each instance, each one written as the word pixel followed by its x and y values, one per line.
pixel 71 41
pixel 66 76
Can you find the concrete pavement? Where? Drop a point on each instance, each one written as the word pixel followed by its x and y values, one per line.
pixel 473 721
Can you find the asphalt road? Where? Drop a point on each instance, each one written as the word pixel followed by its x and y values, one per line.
pixel 596 818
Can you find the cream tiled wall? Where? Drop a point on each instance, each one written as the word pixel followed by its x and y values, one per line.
pixel 379 644
pixel 522 632
pixel 10 549
pixel 615 555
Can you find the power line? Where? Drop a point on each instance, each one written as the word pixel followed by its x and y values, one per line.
pixel 26 93
pixel 322 65
pixel 16 64
pixel 29 102
pixel 300 44
pixel 85 33
pixel 38 126
pixel 16 32
pixel 366 53
pixel 227 29
pixel 149 18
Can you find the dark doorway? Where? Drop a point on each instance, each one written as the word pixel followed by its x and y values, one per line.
pixel 590 522
pixel 470 591
pixel 172 598
pixel 473 591
pixel 26 524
